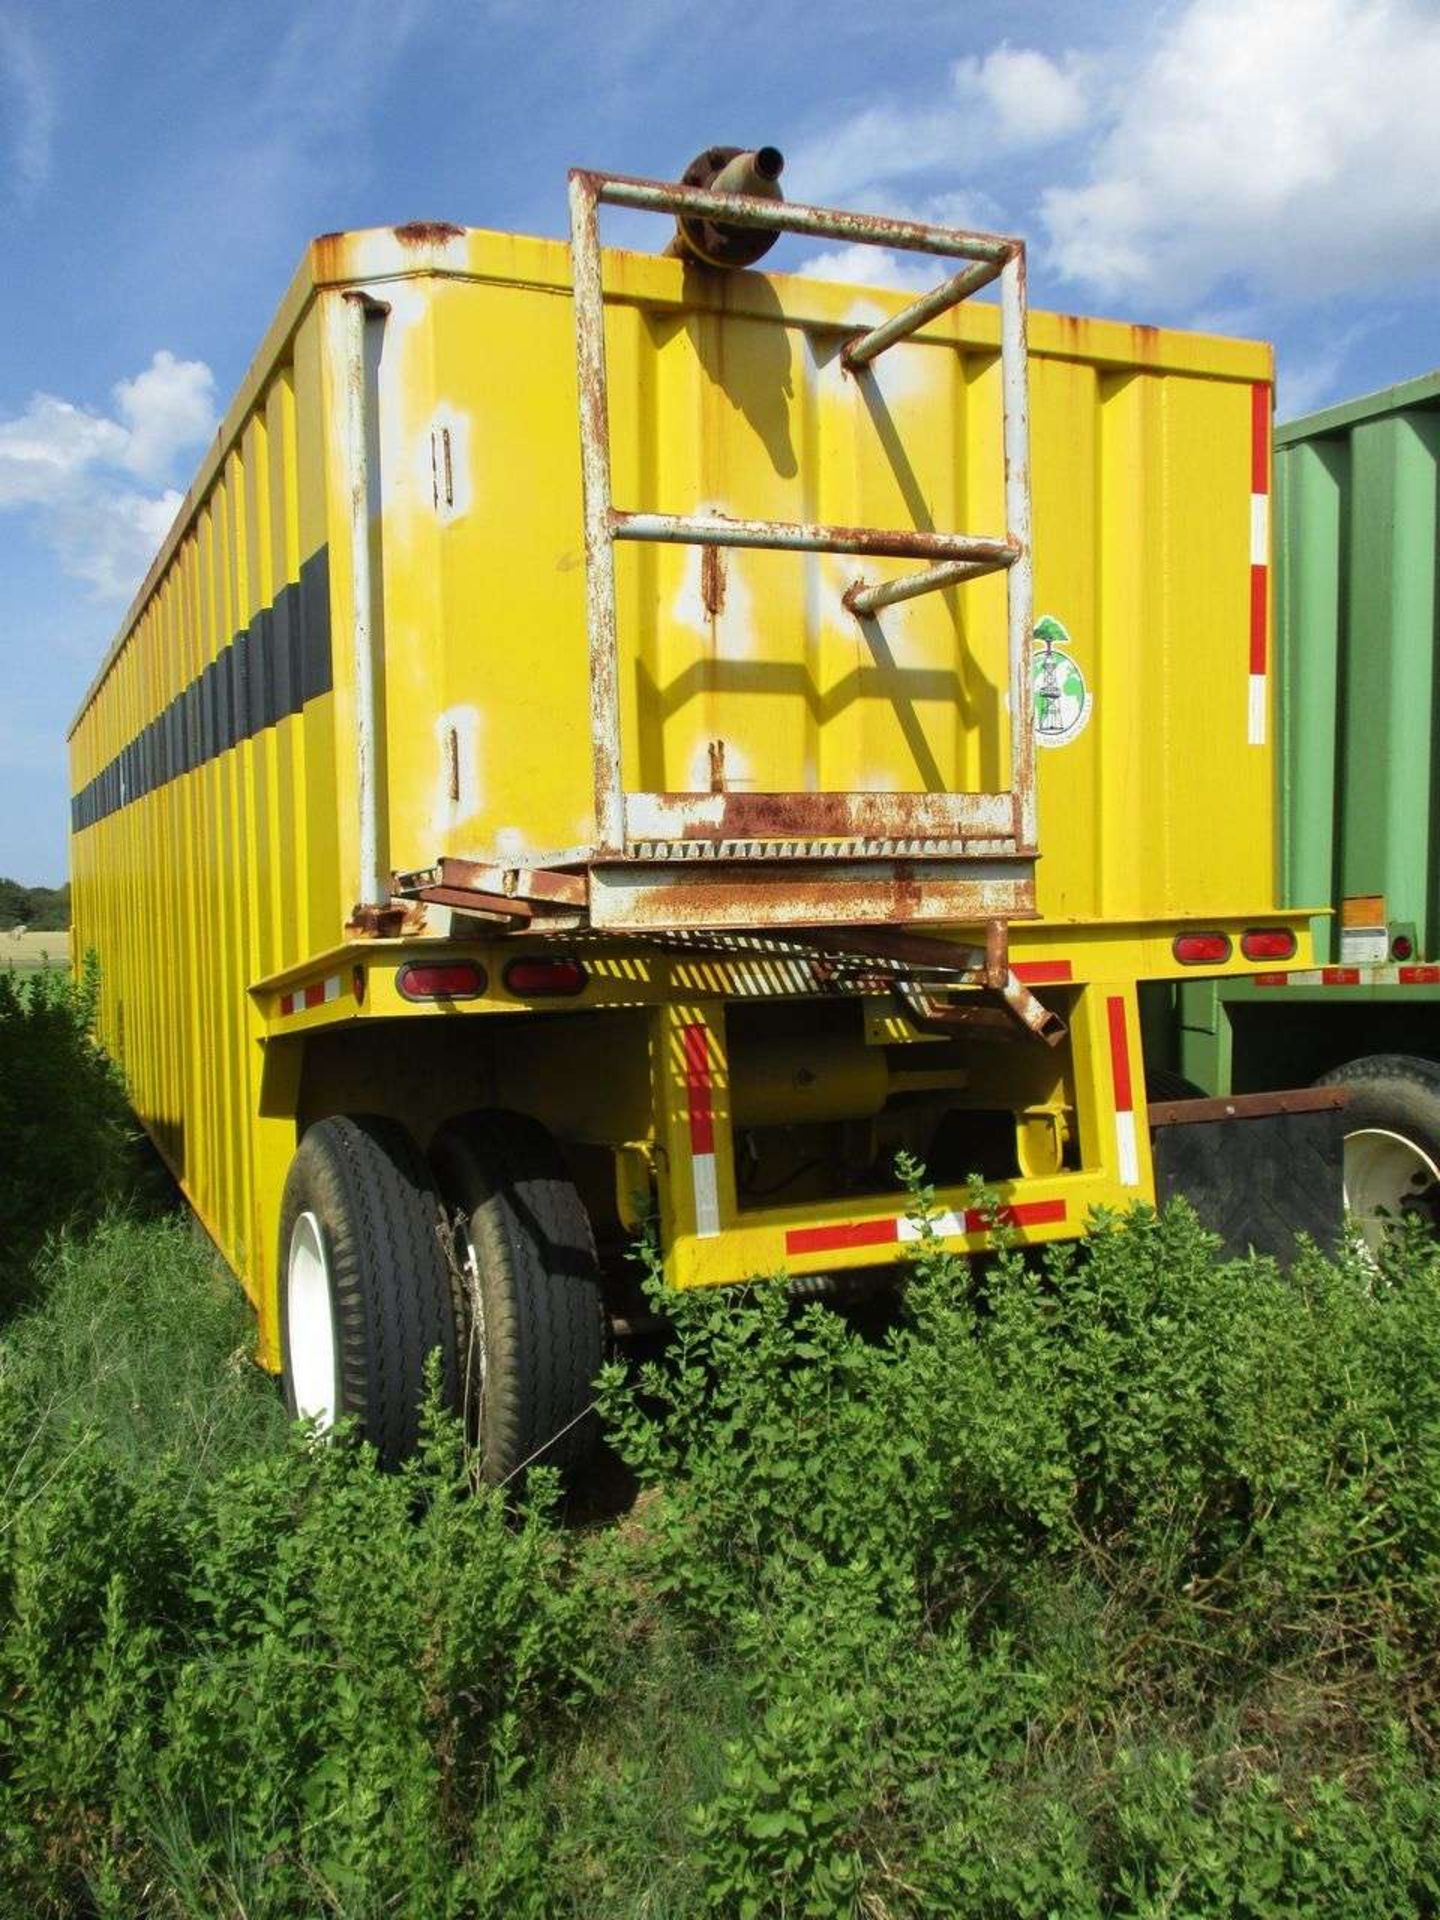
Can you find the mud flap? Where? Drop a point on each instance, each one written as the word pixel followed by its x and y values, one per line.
pixel 1258 1168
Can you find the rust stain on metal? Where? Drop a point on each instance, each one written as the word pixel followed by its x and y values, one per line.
pixel 452 762
pixel 468 900
pixel 427 233
pixel 799 816
pixel 808 895
pixel 380 923
pixel 518 885
pixel 716 752
pixel 712 581
pixel 1246 1106
pixel 803 536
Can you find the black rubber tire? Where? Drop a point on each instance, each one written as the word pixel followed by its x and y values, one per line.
pixel 541 1316
pixel 1398 1093
pixel 368 1186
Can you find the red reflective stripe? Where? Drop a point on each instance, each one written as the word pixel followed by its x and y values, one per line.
pixel 1420 976
pixel 884 1233
pixel 1258 592
pixel 1027 1213
pixel 1260 438
pixel 1119 1054
pixel 287 1003
pixel 1042 973
pixel 698 1089
pixel 1271 979
pixel 858 1233
pixel 1339 976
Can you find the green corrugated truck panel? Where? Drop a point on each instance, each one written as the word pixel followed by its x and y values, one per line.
pixel 1356 536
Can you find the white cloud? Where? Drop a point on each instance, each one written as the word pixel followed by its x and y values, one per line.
pixel 859 266
pixel 30 116
pixel 1012 100
pixel 78 471
pixel 1312 378
pixel 1295 147
pixel 167 408
pixel 109 537
pixel 1032 99
pixel 50 445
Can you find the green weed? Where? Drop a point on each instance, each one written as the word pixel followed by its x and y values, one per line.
pixel 1099 1585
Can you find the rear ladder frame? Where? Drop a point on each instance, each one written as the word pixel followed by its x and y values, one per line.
pixel 994 832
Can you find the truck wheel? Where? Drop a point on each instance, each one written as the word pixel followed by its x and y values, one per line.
pixel 535 1334
pixel 1392 1141
pixel 364 1290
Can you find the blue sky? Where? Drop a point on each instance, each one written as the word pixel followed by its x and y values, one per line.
pixel 1261 169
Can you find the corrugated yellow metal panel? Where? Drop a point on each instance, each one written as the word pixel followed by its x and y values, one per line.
pixel 228 705
pixel 727 396
pixel 194 873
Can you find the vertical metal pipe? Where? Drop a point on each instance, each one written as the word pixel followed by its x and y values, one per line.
pixel 373 885
pixel 1019 581
pixel 600 617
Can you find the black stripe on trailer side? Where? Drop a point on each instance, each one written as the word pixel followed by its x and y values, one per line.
pixel 264 675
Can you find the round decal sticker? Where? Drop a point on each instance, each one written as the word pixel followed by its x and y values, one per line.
pixel 1059 697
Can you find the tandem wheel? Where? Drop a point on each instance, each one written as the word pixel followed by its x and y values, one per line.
pixel 1392 1142
pixel 532 1318
pixel 365 1294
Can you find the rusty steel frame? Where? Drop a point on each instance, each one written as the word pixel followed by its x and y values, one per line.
pixel 952 817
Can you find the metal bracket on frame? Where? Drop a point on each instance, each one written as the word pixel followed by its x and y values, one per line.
pixel 1004 822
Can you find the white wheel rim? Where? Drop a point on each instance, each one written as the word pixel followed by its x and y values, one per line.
pixel 310 1316
pixel 1386 1177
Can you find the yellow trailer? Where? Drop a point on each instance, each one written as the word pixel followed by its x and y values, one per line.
pixel 613 736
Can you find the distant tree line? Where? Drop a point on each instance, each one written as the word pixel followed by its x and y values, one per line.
pixel 46 909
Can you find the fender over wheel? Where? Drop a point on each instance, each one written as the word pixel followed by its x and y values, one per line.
pixel 1392 1142
pixel 365 1293
pixel 534 1328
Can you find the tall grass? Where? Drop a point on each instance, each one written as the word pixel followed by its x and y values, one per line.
pixel 1108 1586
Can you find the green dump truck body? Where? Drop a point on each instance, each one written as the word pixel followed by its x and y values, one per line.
pixel 1357 551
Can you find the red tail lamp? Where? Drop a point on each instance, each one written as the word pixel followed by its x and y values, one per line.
pixel 536 978
pixel 1201 949
pixel 1267 943
pixel 1402 947
pixel 440 980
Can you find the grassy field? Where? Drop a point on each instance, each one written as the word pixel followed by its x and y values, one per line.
pixel 1104 1590
pixel 27 951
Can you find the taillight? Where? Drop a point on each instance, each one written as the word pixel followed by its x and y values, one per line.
pixel 1402 947
pixel 539 979
pixel 1201 949
pixel 440 980
pixel 1267 943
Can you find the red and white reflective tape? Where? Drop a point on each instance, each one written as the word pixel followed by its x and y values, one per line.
pixel 700 1102
pixel 901 1230
pixel 317 994
pixel 1043 973
pixel 1127 1151
pixel 1259 558
pixel 1416 976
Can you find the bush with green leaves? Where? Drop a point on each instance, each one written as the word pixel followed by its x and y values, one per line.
pixel 66 1132
pixel 1100 1584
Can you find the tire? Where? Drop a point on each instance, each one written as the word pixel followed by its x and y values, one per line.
pixel 1392 1141
pixel 535 1329
pixel 365 1293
